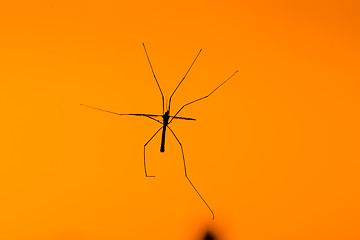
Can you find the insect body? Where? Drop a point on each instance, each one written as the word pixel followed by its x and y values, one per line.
pixel 165 122
pixel 167 119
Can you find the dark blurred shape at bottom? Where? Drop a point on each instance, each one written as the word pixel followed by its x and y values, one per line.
pixel 209 236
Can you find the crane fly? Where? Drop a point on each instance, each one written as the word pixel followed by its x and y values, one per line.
pixel 167 119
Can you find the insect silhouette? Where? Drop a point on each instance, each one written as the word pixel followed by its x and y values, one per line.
pixel 167 119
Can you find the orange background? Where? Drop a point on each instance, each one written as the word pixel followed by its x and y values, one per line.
pixel 275 151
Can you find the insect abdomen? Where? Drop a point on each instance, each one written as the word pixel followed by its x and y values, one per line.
pixel 162 148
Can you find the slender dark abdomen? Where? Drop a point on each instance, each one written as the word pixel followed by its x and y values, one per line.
pixel 165 122
pixel 162 148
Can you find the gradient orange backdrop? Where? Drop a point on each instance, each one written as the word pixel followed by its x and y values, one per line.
pixel 275 151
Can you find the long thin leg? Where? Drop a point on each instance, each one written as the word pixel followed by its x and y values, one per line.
pixel 183 156
pixel 133 114
pixel 202 97
pixel 162 95
pixel 144 151
pixel 183 78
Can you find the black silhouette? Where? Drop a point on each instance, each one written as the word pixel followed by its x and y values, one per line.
pixel 167 119
pixel 209 236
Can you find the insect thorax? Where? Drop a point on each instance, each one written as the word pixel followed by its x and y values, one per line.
pixel 166 117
